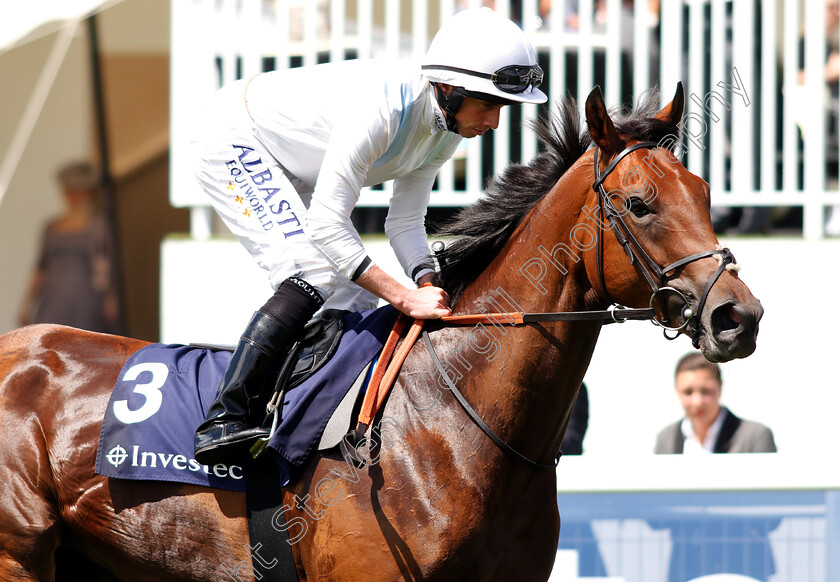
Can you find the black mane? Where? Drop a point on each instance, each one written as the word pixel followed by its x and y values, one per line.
pixel 483 228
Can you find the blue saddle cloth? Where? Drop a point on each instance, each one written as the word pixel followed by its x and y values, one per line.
pixel 163 393
pixel 308 408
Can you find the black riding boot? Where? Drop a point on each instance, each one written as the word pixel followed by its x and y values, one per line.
pixel 226 435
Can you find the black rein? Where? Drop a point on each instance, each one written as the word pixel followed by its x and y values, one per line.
pixel 653 273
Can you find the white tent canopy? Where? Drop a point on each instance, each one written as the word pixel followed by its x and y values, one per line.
pixel 26 22
pixel 52 111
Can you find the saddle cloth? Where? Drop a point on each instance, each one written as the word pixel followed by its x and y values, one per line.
pixel 163 393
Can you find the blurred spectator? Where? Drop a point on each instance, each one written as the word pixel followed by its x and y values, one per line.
pixel 576 430
pixel 708 427
pixel 71 284
pixel 711 545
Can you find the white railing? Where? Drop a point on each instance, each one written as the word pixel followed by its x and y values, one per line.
pixel 756 133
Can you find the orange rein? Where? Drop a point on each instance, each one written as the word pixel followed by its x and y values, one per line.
pixel 389 363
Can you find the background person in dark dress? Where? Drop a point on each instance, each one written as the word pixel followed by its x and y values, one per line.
pixel 71 284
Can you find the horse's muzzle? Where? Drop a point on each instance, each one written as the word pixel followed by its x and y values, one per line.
pixel 729 330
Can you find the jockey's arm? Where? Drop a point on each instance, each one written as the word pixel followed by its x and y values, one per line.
pixel 423 303
pixel 353 263
pixel 405 228
pixel 330 228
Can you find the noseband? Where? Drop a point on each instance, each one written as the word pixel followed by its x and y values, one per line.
pixel 654 274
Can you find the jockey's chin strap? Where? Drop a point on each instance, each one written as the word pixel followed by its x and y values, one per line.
pixel 450 104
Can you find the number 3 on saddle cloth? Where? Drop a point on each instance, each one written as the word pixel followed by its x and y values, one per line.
pixel 163 392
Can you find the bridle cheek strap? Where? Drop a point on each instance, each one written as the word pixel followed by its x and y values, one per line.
pixel 608 212
pixel 650 269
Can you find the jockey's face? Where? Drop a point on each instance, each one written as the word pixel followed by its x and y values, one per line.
pixel 476 117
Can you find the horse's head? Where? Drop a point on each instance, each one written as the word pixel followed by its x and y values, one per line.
pixel 656 233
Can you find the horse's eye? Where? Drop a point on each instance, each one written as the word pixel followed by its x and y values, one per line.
pixel 637 206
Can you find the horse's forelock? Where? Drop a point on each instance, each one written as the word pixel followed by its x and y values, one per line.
pixel 642 125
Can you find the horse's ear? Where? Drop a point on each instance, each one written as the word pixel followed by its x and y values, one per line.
pixel 601 127
pixel 674 110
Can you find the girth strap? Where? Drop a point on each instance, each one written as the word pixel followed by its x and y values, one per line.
pixel 272 557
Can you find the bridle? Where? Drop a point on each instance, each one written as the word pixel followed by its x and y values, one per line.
pixel 655 275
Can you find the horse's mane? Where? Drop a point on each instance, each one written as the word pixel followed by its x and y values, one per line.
pixel 480 230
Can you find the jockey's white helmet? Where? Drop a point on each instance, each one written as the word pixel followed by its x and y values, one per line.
pixel 484 52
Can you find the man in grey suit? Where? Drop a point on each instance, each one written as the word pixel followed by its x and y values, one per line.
pixel 708 427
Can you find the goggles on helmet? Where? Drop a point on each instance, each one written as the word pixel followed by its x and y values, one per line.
pixel 512 79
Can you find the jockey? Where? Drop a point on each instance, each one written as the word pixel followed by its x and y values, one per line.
pixel 283 157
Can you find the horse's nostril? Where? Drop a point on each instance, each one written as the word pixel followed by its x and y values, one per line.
pixel 725 318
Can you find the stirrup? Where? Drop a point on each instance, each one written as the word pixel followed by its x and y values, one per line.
pixel 273 408
pixel 228 448
pixel 275 404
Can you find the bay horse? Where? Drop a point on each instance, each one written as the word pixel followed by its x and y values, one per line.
pixel 441 501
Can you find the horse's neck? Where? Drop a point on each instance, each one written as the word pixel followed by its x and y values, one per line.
pixel 538 368
pixel 542 262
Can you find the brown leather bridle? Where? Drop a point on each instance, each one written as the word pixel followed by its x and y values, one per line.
pixel 655 275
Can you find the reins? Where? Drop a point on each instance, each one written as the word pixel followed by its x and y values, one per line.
pixel 387 368
pixel 477 419
pixel 614 314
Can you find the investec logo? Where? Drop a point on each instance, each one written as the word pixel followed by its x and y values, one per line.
pixel 118 455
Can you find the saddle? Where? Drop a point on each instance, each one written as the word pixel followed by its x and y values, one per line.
pixel 319 343
pixel 320 340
